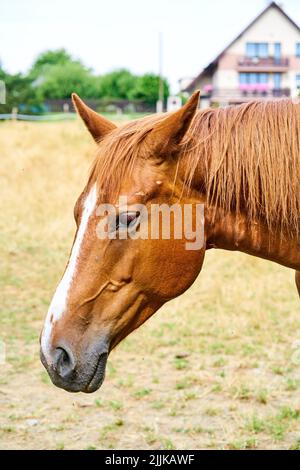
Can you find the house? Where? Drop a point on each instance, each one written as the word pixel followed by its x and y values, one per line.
pixel 262 62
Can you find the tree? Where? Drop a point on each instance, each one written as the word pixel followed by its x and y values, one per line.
pixel 59 81
pixel 146 88
pixel 56 74
pixel 19 92
pixel 116 84
pixel 49 59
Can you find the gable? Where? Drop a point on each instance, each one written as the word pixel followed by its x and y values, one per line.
pixel 270 27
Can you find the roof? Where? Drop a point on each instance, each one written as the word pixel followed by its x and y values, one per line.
pixel 212 65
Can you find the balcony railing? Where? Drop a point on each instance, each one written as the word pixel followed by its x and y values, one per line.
pixel 266 62
pixel 246 94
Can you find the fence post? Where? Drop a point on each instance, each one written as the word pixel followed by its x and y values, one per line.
pixel 14 113
pixel 2 92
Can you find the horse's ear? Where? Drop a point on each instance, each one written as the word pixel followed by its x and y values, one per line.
pixel 168 133
pixel 97 125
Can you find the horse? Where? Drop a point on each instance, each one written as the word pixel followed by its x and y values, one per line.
pixel 240 163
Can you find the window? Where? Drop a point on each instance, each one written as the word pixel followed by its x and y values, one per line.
pixel 251 49
pixel 243 78
pixel 257 49
pixel 298 49
pixel 298 81
pixel 277 50
pixel 263 78
pixel 253 78
pixel 277 81
pixel 263 50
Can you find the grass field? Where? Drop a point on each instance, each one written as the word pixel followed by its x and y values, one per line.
pixel 216 368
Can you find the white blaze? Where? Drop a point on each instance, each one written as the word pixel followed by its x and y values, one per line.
pixel 59 301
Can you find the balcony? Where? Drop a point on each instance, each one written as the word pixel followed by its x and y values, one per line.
pixel 247 93
pixel 259 64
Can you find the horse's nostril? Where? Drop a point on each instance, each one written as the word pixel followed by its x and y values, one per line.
pixel 64 362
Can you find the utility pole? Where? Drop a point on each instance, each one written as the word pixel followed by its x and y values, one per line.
pixel 160 102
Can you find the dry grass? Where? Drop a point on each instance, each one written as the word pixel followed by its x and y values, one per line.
pixel 216 369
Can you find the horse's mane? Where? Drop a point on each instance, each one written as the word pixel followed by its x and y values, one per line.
pixel 250 155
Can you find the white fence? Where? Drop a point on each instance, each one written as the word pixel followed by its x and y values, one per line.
pixel 43 117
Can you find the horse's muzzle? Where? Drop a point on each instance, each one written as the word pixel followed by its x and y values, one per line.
pixel 76 375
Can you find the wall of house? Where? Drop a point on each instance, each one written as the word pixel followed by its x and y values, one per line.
pixel 271 27
pixel 204 81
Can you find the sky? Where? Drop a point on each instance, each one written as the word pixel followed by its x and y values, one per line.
pixel 109 34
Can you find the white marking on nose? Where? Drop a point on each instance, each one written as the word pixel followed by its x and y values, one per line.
pixel 59 301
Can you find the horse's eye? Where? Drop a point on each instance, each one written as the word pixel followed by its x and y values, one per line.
pixel 127 219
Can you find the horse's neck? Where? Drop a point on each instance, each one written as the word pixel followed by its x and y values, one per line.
pixel 231 232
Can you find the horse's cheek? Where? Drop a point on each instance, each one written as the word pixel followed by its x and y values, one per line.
pixel 176 273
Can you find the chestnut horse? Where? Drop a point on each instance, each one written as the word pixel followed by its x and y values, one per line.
pixel 241 163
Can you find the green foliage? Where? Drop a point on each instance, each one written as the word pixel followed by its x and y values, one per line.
pixel 60 81
pixel 48 59
pixel 55 74
pixel 18 90
pixel 146 88
pixel 122 84
pixel 116 84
